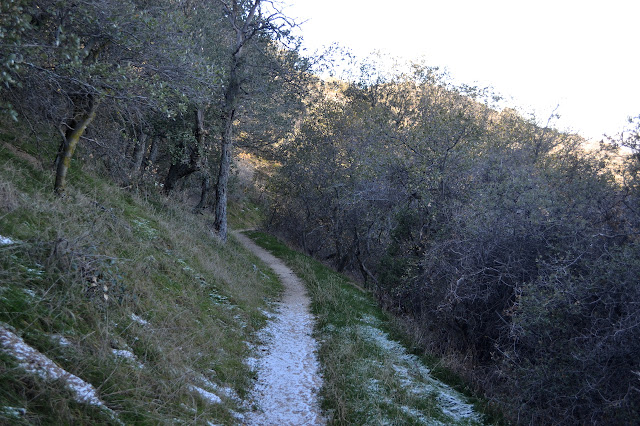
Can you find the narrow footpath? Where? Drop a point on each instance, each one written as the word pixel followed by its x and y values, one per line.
pixel 288 369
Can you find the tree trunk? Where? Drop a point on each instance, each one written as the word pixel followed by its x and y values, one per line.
pixel 177 172
pixel 138 154
pixel 231 102
pixel 204 194
pixel 220 223
pixel 71 136
pixel 151 159
pixel 231 99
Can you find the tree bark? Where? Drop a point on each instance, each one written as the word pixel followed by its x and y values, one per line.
pixel 220 223
pixel 138 154
pixel 204 194
pixel 232 94
pixel 176 172
pixel 70 138
pixel 148 162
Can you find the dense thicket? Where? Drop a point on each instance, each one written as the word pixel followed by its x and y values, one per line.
pixel 510 247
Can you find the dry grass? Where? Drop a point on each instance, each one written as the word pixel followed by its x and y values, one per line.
pixel 147 301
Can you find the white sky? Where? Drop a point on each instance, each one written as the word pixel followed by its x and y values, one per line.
pixel 581 55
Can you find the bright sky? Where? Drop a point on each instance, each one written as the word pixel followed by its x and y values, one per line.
pixel 583 55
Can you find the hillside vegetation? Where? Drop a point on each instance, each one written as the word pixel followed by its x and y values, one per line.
pixel 129 127
pixel 133 295
pixel 510 249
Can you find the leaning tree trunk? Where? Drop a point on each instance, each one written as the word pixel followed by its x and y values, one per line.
pixel 176 172
pixel 244 33
pixel 70 138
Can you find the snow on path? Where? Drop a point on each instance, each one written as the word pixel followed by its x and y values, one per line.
pixel 288 369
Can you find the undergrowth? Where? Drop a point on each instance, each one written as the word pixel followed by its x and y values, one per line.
pixel 131 293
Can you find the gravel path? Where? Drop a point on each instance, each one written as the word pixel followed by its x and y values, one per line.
pixel 288 376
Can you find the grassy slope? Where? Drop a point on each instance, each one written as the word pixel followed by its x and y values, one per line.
pixel 104 270
pixel 368 377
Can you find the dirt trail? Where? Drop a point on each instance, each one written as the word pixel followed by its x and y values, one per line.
pixel 288 377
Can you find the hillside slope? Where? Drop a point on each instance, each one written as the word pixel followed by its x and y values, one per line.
pixel 134 297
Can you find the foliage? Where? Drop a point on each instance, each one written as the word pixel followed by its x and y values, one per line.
pixel 510 248
pixel 14 22
pixel 506 243
pixel 123 81
pixel 574 338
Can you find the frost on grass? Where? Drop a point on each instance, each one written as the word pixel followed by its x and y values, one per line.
pixel 29 292
pixel 128 355
pixel 143 228
pixel 12 412
pixel 35 362
pixel 139 320
pixel 61 340
pixel 413 378
pixel 214 294
pixel 220 390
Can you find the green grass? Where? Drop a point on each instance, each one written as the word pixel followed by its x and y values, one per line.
pixel 87 268
pixel 368 379
pixel 245 214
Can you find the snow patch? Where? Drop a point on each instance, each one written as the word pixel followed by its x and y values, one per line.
pixel 206 395
pixel 415 378
pixel 123 353
pixel 5 241
pixel 35 273
pixel 15 412
pixel 35 362
pixel 29 292
pixel 220 390
pixel 382 340
pixel 61 340
pixel 139 320
pixel 370 319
